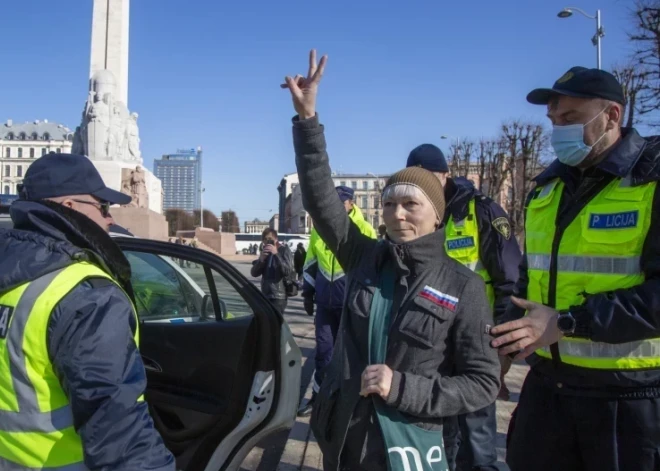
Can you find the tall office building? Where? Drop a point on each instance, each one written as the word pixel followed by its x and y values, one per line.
pixel 181 176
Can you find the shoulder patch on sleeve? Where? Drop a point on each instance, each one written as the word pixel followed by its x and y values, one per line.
pixel 502 226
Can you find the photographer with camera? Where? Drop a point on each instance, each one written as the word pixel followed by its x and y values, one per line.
pixel 275 267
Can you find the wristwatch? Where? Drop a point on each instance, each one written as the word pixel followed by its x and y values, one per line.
pixel 566 323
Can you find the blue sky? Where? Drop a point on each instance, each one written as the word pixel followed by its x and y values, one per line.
pixel 205 72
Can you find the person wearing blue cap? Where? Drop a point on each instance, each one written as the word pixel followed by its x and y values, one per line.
pixel 73 388
pixel 478 235
pixel 324 286
pixel 589 323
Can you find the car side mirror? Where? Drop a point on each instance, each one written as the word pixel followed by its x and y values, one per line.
pixel 208 312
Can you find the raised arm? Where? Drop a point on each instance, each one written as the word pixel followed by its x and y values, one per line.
pixel 319 196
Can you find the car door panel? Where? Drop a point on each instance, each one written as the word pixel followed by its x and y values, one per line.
pixel 203 370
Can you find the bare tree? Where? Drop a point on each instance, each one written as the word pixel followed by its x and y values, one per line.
pixel 646 40
pixel 460 158
pixel 525 144
pixel 633 79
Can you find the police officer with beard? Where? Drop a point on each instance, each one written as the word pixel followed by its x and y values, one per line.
pixel 589 323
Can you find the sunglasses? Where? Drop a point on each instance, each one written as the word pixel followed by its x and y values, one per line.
pixel 103 207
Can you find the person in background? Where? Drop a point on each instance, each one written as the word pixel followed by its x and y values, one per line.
pixel 274 265
pixel 67 309
pixel 413 347
pixel 299 260
pixel 325 286
pixel 382 231
pixel 478 234
pixel 589 325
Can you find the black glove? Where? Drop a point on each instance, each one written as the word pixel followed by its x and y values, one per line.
pixel 309 305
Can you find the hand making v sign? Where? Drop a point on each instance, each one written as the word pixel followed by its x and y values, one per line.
pixel 304 89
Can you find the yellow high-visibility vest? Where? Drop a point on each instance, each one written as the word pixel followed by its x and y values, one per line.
pixel 318 252
pixel 36 422
pixel 462 244
pixel 598 252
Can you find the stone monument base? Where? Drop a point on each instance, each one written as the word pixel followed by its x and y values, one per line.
pixel 141 222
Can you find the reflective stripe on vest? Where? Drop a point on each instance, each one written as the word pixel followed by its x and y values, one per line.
pixel 462 244
pixel 599 251
pixel 36 422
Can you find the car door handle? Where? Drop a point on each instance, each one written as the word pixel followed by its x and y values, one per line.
pixel 151 365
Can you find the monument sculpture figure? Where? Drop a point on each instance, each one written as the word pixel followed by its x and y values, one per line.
pixel 108 133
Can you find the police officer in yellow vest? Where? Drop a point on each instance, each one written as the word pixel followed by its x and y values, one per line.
pixel 71 377
pixel 591 281
pixel 479 235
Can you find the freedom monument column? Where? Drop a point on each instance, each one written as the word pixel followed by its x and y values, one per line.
pixel 109 133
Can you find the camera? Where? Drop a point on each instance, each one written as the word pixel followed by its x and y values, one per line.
pixel 270 242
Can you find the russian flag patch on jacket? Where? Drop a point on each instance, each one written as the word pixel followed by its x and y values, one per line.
pixel 439 298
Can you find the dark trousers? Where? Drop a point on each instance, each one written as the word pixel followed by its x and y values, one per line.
pixel 471 440
pixel 551 431
pixel 327 325
pixel 280 304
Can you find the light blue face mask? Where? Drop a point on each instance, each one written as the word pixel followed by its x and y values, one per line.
pixel 568 143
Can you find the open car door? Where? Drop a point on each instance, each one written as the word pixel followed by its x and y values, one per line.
pixel 223 368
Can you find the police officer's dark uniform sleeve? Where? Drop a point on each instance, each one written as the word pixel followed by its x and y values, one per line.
pixel 627 315
pixel 499 251
pixel 91 346
pixel 513 312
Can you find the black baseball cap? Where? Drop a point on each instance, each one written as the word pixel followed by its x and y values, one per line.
pixel 582 83
pixel 55 175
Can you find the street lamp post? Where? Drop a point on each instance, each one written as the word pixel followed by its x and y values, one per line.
pixel 201 207
pixel 600 32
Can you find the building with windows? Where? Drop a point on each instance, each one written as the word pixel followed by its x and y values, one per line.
pixel 256 226
pixel 181 176
pixel 367 187
pixel 21 144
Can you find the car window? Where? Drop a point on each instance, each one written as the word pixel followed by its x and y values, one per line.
pixel 175 289
pixel 161 292
pixel 236 306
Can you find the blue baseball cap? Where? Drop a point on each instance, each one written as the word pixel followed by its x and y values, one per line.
pixel 581 82
pixel 429 157
pixel 345 193
pixel 55 175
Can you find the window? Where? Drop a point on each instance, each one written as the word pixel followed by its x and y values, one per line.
pixel 375 222
pixel 167 288
pixel 354 184
pixel 43 151
pixel 365 185
pixel 20 152
pixel 8 152
pixel 58 150
pixel 34 136
pixel 365 202
pixel 32 152
pixel 10 136
pixel 6 189
pixel 19 171
pixel 46 136
pixel 22 136
pixel 7 171
pixel 376 202
pixel 342 183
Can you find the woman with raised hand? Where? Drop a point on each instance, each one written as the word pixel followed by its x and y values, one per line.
pixel 413 345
